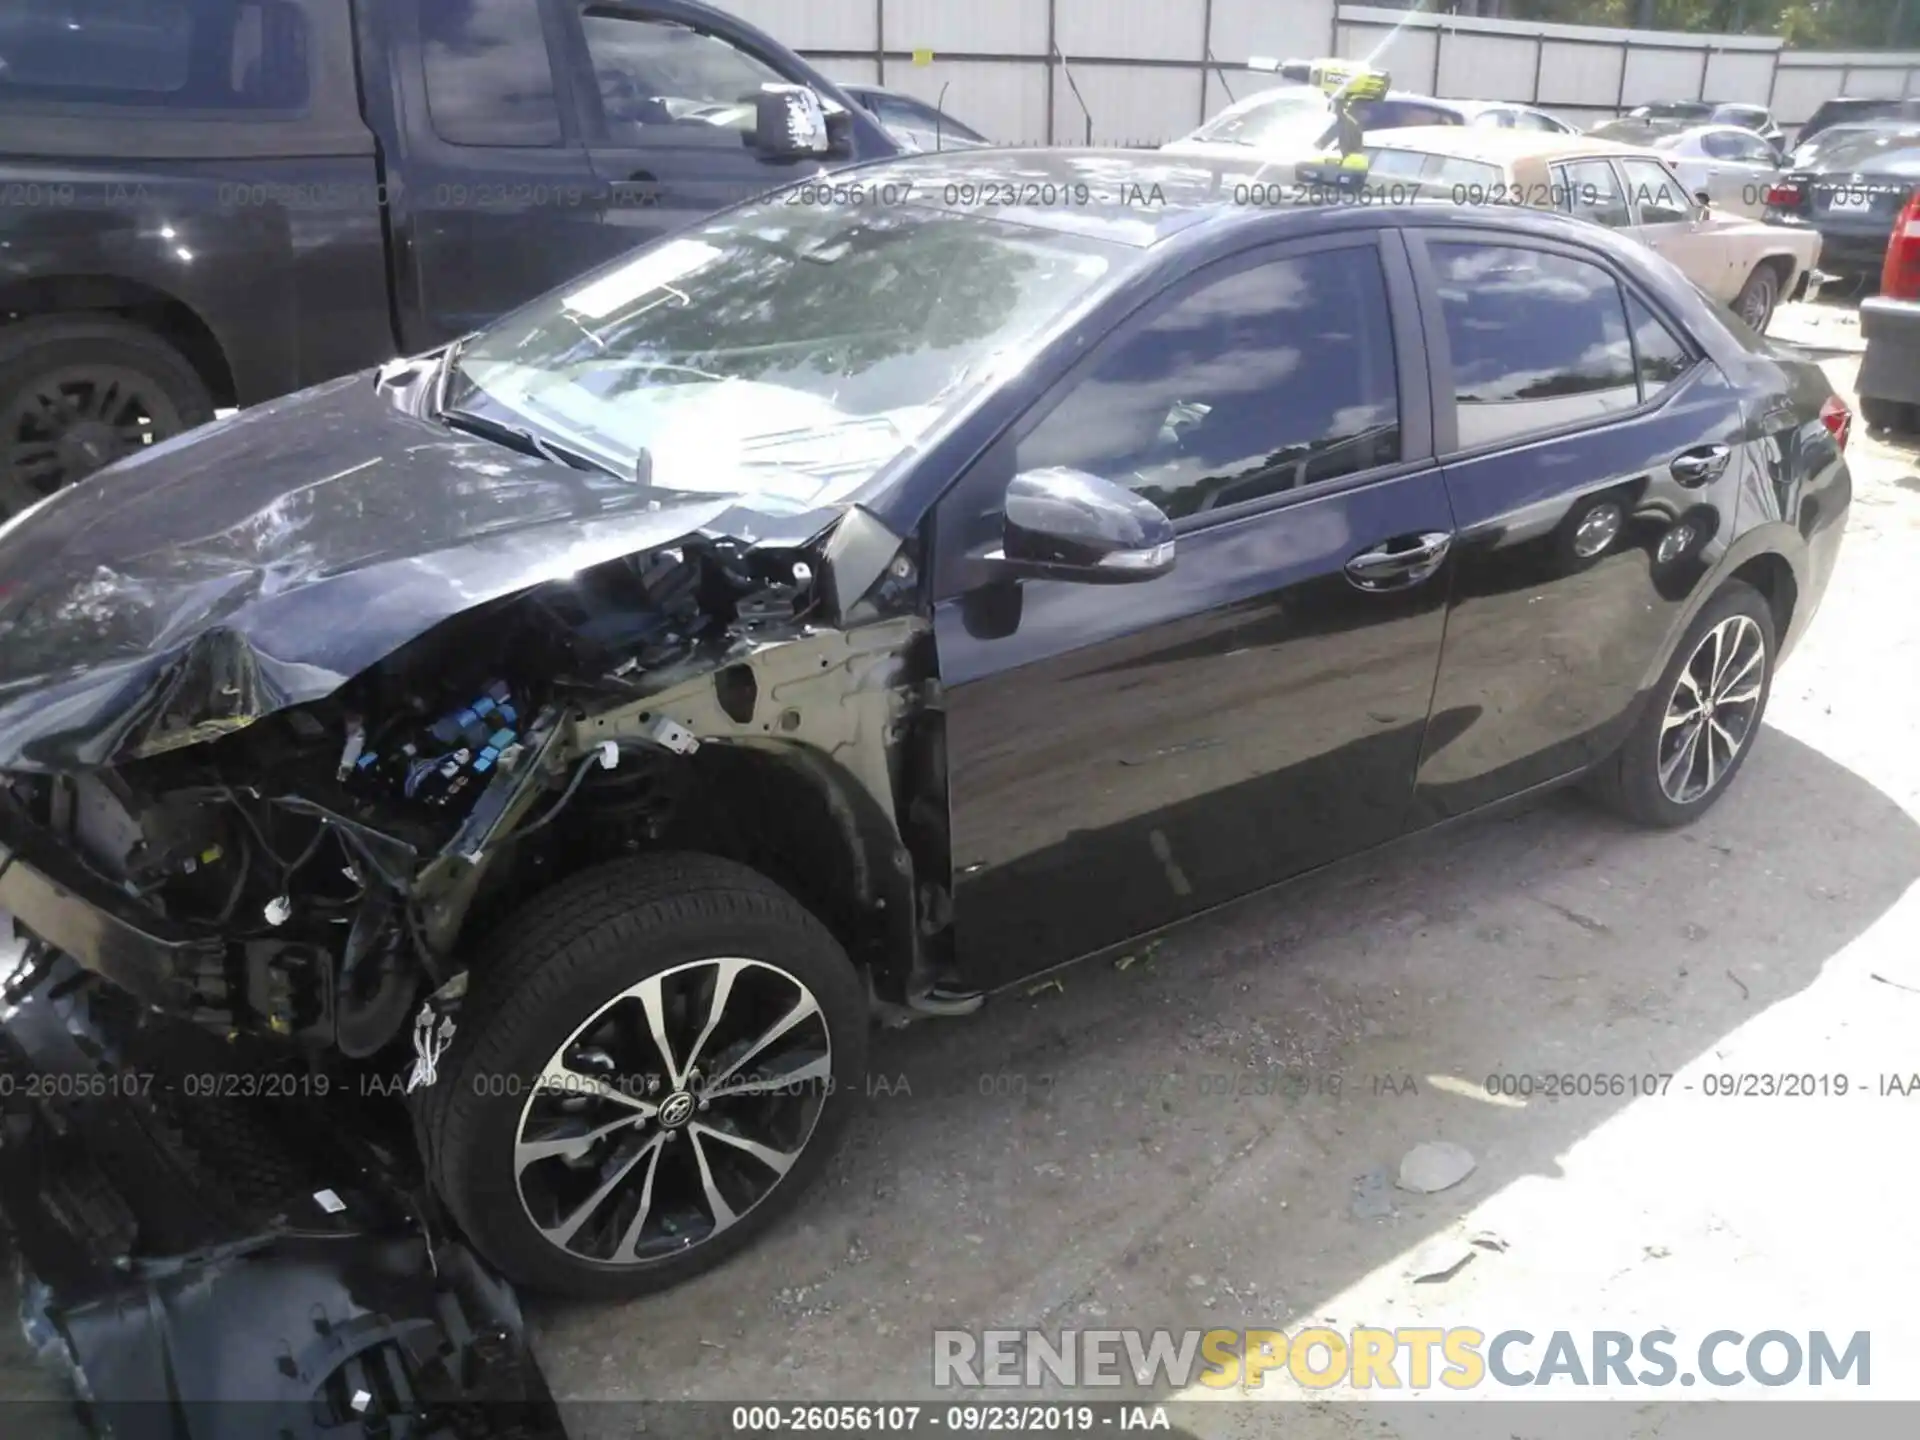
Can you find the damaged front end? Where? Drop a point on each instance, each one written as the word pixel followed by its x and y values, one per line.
pixel 306 870
pixel 272 754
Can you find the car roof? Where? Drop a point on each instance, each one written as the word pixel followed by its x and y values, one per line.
pixel 1141 198
pixel 1500 147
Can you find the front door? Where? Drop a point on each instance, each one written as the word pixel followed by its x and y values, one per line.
pixel 668 109
pixel 1671 221
pixel 1121 756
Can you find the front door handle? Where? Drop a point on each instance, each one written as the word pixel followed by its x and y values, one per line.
pixel 1701 464
pixel 1400 562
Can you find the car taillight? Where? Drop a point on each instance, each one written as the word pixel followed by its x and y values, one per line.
pixel 1838 419
pixel 1784 196
pixel 1900 271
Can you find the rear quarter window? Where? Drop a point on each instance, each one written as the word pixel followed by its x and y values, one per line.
pixel 184 55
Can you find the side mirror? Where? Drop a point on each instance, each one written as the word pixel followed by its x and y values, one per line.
pixel 1703 198
pixel 789 123
pixel 1063 524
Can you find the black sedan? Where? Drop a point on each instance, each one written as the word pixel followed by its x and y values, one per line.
pixel 1853 190
pixel 865 607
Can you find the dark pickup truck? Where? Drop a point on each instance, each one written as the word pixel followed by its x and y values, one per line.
pixel 207 203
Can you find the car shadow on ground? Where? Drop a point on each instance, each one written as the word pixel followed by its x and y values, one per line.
pixel 1173 1137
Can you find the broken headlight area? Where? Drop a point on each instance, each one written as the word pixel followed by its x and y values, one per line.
pixel 293 877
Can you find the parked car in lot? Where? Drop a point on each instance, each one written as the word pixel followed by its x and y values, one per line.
pixel 1852 109
pixel 1733 167
pixel 1743 263
pixel 1889 380
pixel 207 204
pixel 1851 196
pixel 1506 115
pixel 1289 122
pixel 1644 123
pixel 592 720
pixel 915 125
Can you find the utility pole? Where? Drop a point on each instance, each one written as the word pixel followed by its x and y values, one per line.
pixel 1645 22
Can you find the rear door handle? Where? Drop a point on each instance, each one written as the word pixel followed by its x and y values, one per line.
pixel 1701 464
pixel 1400 562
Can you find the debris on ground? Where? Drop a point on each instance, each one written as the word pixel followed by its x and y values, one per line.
pixel 1372 1196
pixel 1435 1165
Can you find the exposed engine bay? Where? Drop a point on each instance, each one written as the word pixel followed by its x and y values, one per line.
pixel 291 862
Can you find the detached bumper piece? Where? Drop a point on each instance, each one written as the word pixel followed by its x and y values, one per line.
pixel 219 1266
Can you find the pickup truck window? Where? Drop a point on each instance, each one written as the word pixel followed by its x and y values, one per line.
pixel 174 54
pixel 652 72
pixel 488 78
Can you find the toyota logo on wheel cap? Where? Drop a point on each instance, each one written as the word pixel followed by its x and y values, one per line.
pixel 676 1110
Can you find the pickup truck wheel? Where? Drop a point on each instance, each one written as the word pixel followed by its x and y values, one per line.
pixel 1890 415
pixel 1758 297
pixel 650 1068
pixel 79 392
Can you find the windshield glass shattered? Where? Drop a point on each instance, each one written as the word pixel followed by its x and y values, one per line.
pixel 780 351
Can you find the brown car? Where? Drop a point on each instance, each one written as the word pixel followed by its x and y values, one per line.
pixel 1746 264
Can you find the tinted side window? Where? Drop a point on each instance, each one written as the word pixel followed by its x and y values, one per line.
pixel 1660 358
pixel 488 81
pixel 1533 120
pixel 1539 341
pixel 652 72
pixel 1721 145
pixel 174 54
pixel 1590 189
pixel 1264 381
pixel 1661 197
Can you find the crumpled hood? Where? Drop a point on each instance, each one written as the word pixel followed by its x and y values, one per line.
pixel 262 561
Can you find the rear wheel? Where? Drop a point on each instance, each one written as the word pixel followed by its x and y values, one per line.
pixel 79 392
pixel 1701 722
pixel 651 1067
pixel 1758 298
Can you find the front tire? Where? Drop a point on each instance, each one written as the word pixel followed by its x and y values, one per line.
pixel 651 1066
pixel 1700 723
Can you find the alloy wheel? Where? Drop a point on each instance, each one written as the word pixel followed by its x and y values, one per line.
pixel 1713 709
pixel 676 1108
pixel 69 422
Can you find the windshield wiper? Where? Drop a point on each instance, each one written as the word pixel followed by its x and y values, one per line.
pixel 528 442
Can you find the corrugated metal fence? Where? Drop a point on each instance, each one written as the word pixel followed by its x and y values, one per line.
pixel 1138 72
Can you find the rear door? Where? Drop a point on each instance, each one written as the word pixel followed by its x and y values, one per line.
pixel 493 200
pixel 1590 453
pixel 1123 755
pixel 1668 219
